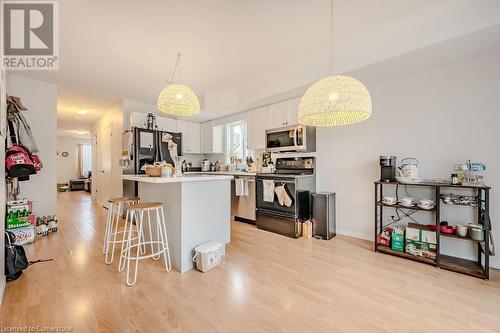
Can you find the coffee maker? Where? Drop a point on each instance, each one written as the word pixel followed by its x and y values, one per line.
pixel 387 168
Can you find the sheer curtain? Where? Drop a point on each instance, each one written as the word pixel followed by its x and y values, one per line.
pixel 85 159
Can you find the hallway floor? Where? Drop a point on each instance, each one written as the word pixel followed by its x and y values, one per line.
pixel 266 283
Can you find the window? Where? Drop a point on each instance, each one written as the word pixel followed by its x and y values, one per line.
pixel 236 142
pixel 85 156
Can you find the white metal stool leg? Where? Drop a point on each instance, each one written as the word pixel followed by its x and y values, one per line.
pixel 113 226
pixel 111 237
pixel 163 234
pixel 106 230
pixel 127 254
pixel 125 240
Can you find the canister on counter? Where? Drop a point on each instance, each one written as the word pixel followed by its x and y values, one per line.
pixel 454 179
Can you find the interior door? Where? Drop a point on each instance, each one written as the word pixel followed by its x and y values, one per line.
pixel 104 159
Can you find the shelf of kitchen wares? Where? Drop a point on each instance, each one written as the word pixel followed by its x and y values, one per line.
pixel 432 183
pixel 380 203
pixel 478 268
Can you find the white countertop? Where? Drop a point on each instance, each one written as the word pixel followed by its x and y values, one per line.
pixel 185 178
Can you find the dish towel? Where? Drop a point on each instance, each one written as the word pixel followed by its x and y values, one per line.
pixel 241 186
pixel 268 190
pixel 283 197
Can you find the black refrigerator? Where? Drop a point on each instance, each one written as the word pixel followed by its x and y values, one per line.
pixel 145 146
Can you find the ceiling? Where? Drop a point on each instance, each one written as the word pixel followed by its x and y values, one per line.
pixel 116 49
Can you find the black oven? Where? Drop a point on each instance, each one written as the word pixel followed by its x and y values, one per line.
pixel 275 207
pixel 297 177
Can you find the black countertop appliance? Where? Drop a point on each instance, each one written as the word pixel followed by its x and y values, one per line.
pixel 387 168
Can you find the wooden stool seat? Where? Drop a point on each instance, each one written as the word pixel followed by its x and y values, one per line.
pixel 123 199
pixel 145 206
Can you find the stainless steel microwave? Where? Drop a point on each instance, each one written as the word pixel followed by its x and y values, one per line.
pixel 291 138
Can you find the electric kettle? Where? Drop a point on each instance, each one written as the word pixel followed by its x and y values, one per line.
pixel 409 171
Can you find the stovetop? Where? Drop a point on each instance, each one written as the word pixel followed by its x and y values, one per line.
pixel 284 175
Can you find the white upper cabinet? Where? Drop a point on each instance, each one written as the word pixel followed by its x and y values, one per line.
pixel 277 115
pixel 258 122
pixel 206 130
pixel 211 138
pixel 194 138
pixel 183 128
pixel 284 113
pixel 166 124
pixel 292 111
pixel 138 119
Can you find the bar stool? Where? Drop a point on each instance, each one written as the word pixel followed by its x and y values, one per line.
pixel 137 214
pixel 116 206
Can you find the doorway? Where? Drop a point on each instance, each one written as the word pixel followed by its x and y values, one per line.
pixel 104 163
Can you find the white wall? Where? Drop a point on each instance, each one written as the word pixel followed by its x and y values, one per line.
pixel 41 100
pixel 441 116
pixel 67 167
pixel 3 112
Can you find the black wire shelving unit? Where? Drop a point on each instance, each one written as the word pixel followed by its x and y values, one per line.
pixel 477 268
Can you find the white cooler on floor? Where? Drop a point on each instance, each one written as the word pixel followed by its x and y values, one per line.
pixel 208 255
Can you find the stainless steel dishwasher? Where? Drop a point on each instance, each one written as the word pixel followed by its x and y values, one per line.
pixel 243 206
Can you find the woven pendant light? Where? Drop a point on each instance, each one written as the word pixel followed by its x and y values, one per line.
pixel 178 99
pixel 335 100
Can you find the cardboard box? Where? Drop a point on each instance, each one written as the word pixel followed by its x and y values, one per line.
pixel 421 249
pixel 17 220
pixel 398 240
pixel 428 237
pixel 413 233
pixel 24 235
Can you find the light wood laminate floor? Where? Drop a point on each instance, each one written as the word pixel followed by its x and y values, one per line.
pixel 267 283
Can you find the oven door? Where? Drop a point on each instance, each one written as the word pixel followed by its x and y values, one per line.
pixel 275 207
pixel 291 138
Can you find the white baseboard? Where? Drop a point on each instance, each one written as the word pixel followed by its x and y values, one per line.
pixel 2 288
pixel 355 234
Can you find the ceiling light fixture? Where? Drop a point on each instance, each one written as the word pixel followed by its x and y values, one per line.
pixel 80 111
pixel 178 99
pixel 335 100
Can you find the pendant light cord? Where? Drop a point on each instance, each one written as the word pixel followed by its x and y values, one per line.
pixel 177 64
pixel 331 38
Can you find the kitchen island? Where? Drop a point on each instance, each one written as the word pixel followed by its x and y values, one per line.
pixel 197 210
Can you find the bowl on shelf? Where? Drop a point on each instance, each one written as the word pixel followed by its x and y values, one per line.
pixel 462 230
pixel 447 229
pixel 431 227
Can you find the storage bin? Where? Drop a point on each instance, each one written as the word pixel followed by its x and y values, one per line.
pixel 208 255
